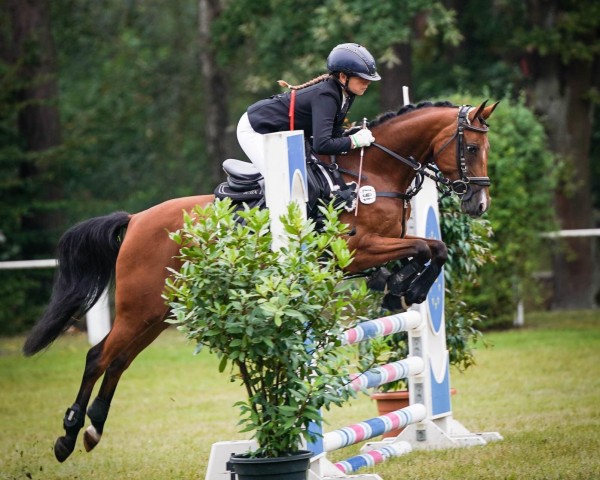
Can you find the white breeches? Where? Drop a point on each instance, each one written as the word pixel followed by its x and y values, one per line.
pixel 252 143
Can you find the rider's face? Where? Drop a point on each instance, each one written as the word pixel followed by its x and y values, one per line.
pixel 356 85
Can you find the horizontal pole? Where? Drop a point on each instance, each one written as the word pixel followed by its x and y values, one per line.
pixel 25 264
pixel 391 372
pixel 400 322
pixel 581 232
pixel 374 457
pixel 373 427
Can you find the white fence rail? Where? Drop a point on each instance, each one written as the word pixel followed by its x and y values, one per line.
pixel 97 319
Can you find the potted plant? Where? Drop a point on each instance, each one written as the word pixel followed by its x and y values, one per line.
pixel 274 318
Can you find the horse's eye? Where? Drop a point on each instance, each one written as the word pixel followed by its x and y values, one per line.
pixel 472 148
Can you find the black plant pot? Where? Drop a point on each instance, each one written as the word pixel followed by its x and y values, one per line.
pixel 290 467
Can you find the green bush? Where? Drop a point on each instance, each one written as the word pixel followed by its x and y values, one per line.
pixel 524 175
pixel 469 248
pixel 274 317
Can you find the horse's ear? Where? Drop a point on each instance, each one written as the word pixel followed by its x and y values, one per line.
pixel 478 111
pixel 487 112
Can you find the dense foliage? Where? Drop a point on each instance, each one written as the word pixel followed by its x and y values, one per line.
pixel 274 316
pixel 131 100
pixel 524 174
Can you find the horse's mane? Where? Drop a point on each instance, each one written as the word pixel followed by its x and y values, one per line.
pixel 384 117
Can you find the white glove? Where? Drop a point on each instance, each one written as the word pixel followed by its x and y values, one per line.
pixel 363 138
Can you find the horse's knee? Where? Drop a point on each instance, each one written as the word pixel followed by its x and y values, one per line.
pixel 439 251
pixel 422 252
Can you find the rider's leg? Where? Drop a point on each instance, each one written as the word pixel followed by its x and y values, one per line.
pixel 252 143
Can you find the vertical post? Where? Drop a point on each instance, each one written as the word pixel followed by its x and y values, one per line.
pixel 98 320
pixel 436 380
pixel 285 177
pixel 405 97
pixel 285 182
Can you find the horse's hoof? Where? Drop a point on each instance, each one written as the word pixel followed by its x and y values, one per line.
pixel 91 437
pixel 393 303
pixel 405 305
pixel 63 448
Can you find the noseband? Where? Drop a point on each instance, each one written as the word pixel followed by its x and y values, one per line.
pixel 460 187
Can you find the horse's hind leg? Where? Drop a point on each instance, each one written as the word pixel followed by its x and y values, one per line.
pixel 75 416
pixel 98 411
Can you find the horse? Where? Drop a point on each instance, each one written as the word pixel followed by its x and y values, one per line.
pixel 133 252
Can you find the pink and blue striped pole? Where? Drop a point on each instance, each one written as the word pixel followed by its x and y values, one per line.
pixel 373 427
pixel 374 457
pixel 383 374
pixel 400 322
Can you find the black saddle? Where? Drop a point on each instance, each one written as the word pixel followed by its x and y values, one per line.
pixel 245 185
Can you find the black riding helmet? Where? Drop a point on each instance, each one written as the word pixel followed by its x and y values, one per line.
pixel 354 60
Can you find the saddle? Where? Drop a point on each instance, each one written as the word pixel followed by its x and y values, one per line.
pixel 245 186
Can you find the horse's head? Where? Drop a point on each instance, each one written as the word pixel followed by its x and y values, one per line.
pixel 465 165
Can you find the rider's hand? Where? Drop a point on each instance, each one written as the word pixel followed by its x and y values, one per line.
pixel 363 138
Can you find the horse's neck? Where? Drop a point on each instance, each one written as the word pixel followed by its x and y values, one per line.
pixel 410 137
pixel 414 134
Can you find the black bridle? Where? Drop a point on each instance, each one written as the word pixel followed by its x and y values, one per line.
pixel 462 186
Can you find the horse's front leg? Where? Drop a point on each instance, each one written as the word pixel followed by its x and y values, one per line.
pixel 411 284
pixel 420 286
pixel 373 250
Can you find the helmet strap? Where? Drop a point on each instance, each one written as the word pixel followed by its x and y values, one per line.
pixel 347 82
pixel 344 85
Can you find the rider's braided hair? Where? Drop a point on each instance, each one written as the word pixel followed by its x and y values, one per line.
pixel 320 78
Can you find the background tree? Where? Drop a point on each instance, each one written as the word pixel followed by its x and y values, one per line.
pixel 31 182
pixel 548 48
pixel 138 122
pixel 30 92
pixel 214 79
pixel 562 63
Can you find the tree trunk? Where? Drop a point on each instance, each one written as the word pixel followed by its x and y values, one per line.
pixel 394 77
pixel 31 48
pixel 216 112
pixel 560 95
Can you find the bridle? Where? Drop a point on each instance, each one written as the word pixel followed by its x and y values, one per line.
pixel 460 187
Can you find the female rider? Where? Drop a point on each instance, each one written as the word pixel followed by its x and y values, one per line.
pixel 321 105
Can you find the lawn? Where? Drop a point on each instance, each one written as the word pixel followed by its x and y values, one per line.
pixel 538 386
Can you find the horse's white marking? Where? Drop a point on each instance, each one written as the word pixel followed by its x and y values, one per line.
pixel 91 438
pixel 483 201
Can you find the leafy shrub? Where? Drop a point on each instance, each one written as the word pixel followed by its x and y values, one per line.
pixel 274 317
pixel 524 175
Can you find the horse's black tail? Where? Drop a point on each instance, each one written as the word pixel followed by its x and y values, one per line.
pixel 87 255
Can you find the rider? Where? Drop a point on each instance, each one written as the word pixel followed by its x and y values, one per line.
pixel 321 105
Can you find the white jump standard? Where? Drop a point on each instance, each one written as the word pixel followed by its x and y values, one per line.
pixel 428 419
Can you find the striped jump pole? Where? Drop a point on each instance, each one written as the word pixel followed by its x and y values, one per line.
pixel 373 427
pixel 400 322
pixel 383 374
pixel 373 457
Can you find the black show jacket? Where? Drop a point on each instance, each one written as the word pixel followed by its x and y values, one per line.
pixel 318 112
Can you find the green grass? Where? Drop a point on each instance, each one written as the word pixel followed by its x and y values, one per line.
pixel 539 387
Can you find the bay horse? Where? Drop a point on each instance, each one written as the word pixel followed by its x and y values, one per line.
pixel 134 251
